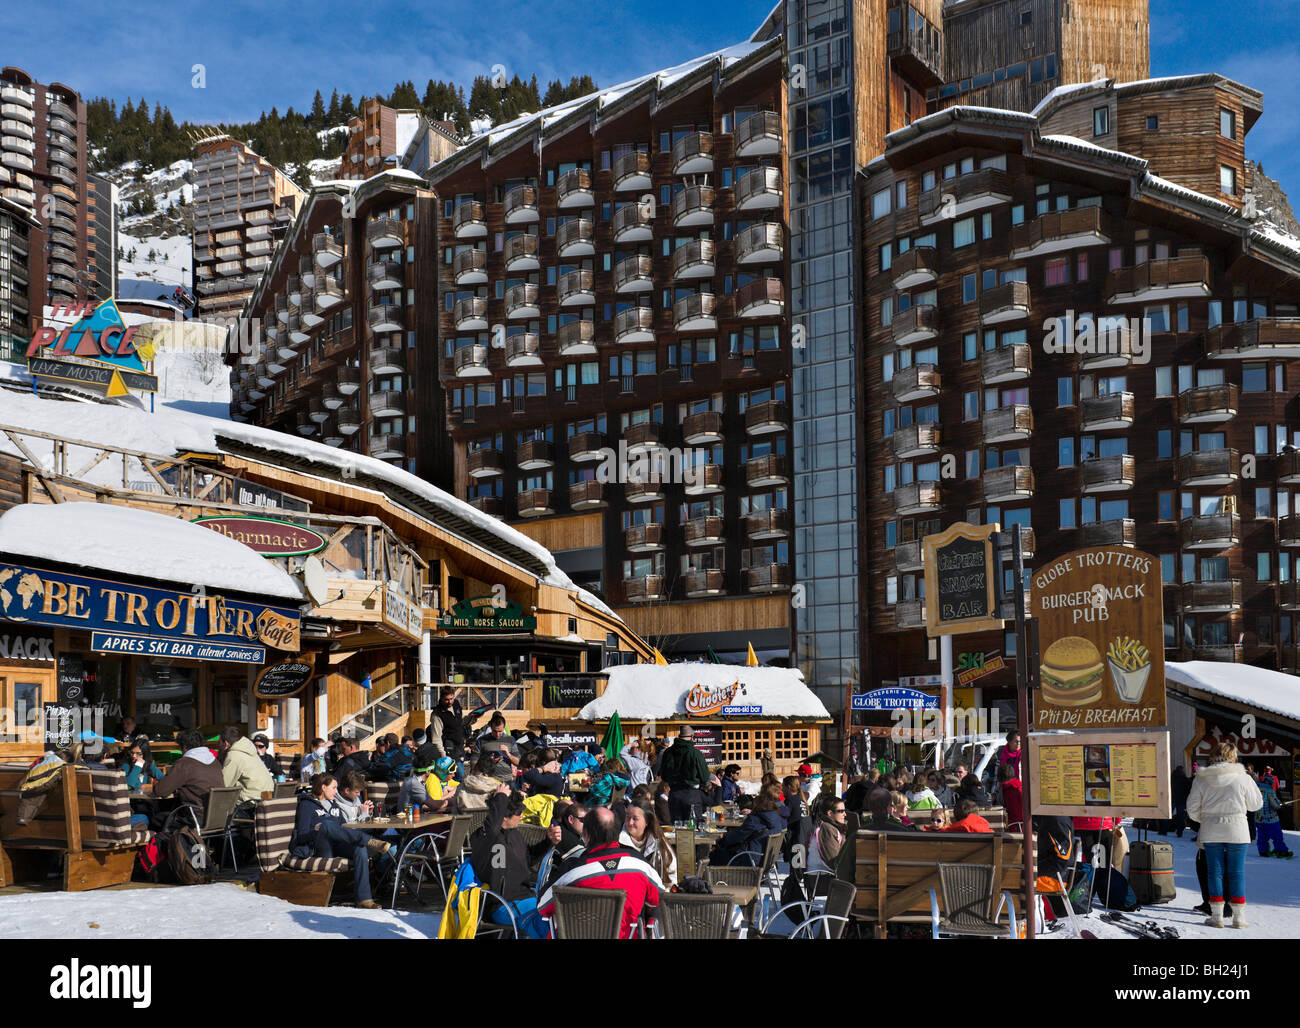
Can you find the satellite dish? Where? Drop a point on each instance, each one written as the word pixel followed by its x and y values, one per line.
pixel 313 578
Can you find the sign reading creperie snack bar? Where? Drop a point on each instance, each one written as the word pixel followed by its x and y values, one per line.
pixel 1101 640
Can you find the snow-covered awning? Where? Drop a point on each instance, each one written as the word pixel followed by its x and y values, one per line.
pixel 105 537
pixel 644 691
pixel 1265 690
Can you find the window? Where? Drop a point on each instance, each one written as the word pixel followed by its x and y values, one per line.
pixel 880 204
pixel 1065 392
pixel 963 232
pixel 1164 443
pixel 970 346
pixel 900 195
pixel 986 225
pixel 1100 121
pixel 1153 123
pixel 1065 451
pixel 971 406
pixel 886 257
pixel 1227 123
pixel 1067 514
pixel 1227 180
pixel 1263 502
pixel 968 288
pixel 1254 377
pixel 1165 506
pixel 1056 271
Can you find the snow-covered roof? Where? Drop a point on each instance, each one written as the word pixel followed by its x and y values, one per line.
pixel 174 432
pixel 142 544
pixel 1256 687
pixel 644 691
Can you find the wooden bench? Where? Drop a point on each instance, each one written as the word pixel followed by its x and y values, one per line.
pixel 84 824
pixel 307 881
pixel 895 871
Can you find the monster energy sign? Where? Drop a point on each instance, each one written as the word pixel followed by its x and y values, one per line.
pixel 568 692
pixel 488 613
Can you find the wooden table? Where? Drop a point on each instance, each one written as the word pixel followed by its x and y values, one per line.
pixel 427 821
pixel 743 896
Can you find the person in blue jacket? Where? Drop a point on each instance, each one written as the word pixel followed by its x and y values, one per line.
pixel 577 761
pixel 318 832
pixel 751 835
pixel 139 766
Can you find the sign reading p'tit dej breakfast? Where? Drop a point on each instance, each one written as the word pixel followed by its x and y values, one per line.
pixel 1101 640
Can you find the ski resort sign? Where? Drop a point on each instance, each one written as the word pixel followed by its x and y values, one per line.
pixel 98 350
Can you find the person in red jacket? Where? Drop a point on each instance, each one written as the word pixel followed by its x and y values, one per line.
pixel 968 819
pixel 607 865
pixel 1013 797
pixel 1011 751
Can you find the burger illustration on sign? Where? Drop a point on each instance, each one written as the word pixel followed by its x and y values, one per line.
pixel 1071 672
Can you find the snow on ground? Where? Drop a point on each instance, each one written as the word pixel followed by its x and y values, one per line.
pixel 170 264
pixel 221 911
pixel 1272 897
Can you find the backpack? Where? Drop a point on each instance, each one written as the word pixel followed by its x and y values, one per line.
pixel 1111 887
pixel 188 861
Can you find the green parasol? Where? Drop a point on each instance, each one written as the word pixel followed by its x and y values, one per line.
pixel 613 741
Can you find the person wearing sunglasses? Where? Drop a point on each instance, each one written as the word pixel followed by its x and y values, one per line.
pixel 828 837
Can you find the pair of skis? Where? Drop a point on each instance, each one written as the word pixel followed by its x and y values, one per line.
pixel 1139 929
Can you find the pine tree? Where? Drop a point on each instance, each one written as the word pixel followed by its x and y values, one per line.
pixel 333 115
pixel 318 111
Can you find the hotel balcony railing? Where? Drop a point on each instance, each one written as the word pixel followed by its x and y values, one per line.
pixel 917 498
pixel 1114 532
pixel 327 250
pixel 1210 532
pixel 575 238
pixel 470 314
pixel 587 495
pixel 769 416
pixel 771 469
pixel 908 556
pixel 643 588
pixel 586 446
pixel 976 191
pixel 1163 278
pixel 692 260
pixel 1288 531
pixel 909 614
pixel 483 463
pixel 758 244
pixel 535 455
pixel 533 503
pixel 1259 337
pixel 1007 424
pixel 761 298
pixel 1007 363
pixel 702 428
pixel 385 275
pixel 520 206
pixel 767 578
pixel 469 267
pixel 576 338
pixel 704 531
pixel 1111 474
pixel 914 48
pixel 703 582
pixel 1207 468
pixel 523 301
pixel 1008 484
pixel 387 360
pixel 634 325
pixel 632 172
pixel 1202 405
pixel 645 436
pixel 646 538
pixel 573 189
pixel 387 447
pixel 491 505
pixel 693 154
pixel 696 313
pixel 760 190
pixel 757 135
pixel 916 440
pixel 1211 597
pixel 1007 302
pixel 521 253
pixel 915 325
pixel 467 221
pixel 1102 413
pixel 385 317
pixel 917 267
pixel 1061 230
pixel 693 206
pixel 706 479
pixel 633 223
pixel 773 523
pixel 916 382
pixel 634 275
pixel 471 361
pixel 524 349
pixel 387 403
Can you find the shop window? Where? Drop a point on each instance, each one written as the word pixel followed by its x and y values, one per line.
pixel 790 743
pixel 735 745
pixel 164 698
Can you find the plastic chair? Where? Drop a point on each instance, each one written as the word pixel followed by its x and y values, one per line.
pixel 588 913
pixel 690 916
pixel 968 893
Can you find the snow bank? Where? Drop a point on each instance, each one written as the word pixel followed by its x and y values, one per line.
pixel 645 691
pixel 129 541
pixel 1259 687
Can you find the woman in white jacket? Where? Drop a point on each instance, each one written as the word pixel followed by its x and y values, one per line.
pixel 641 832
pixel 1222 794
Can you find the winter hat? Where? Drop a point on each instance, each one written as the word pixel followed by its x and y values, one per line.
pixel 805 770
pixel 426 757
pixel 444 767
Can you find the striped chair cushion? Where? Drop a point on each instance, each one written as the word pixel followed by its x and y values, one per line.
pixel 382 794
pixel 113 808
pixel 273 828
pixel 317 863
pixel 285 761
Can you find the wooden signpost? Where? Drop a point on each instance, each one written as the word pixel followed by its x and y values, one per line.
pixel 961 569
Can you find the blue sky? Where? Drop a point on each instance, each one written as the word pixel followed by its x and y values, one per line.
pixel 260 54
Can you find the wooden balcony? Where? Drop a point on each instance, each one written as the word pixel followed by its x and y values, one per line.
pixel 386 403
pixel 916 383
pixel 759 244
pixel 761 298
pixel 524 350
pixel 759 190
pixel 634 325
pixel 634 275
pixel 703 582
pixel 1027 541
pixel 384 233
pixel 1008 484
pixel 573 189
pixel 909 614
pixel 1058 231
pixel 1208 468
pixel 489 505
pixel 632 172
pixel 692 207
pixel 523 302
pixel 696 313
pixel 1206 405
pixel 704 480
pixel 387 360
pixel 471 361
pixel 647 538
pixel 387 447
pixel 913 50
pixel 1211 597
pixel 1105 413
pixel 535 455
pixel 773 523
pixel 917 439
pixel 643 437
pixel 643 589
pixel 1223 654
pixel 767 417
pixel 575 238
pixel 977 191
pixel 917 267
pixel 521 254
pixel 702 428
pixel 768 470
pixel 643 492
pixel 908 556
pixel 586 446
pixel 576 338
pixel 1257 338
pixel 1007 364
pixel 576 289
pixel 1288 467
pixel 469 267
pixel 917 498
pixel 758 135
pixel 326 250
pixel 915 325
pixel 691 260
pixel 1210 532
pixel 483 463
pixel 534 503
pixel 383 275
pixel 1288 531
pixel 587 496
pixel 520 206
pixel 1007 424
pixel 1108 474
pixel 1164 279
pixel 1005 303
pixel 1288 594
pixel 470 314
pixel 633 223
pixel 705 531
pixel 768 578
pixel 693 154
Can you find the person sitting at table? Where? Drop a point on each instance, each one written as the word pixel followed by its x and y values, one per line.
pixel 750 836
pixel 966 818
pixel 318 832
pixel 662 810
pixel 611 777
pixel 497 740
pixel 605 864
pixel 137 762
pixel 971 788
pixel 241 767
pixel 731 783
pixel 194 775
pixel 502 861
pixel 568 815
pixel 351 758
pixel 351 786
pixel 415 790
pixel 885 813
pixel 544 776
pixel 262 745
pixel 401 757
pixel 315 761
pixel 127 728
pixel 479 784
pixel 641 832
pixel 828 836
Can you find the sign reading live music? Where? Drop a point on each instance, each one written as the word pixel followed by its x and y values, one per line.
pixel 98 350
pixel 147 621
pixel 1101 639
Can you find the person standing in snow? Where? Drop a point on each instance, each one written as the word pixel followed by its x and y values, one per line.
pixel 1268 827
pixel 1221 797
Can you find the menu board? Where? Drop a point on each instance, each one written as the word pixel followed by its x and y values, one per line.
pixel 1101 774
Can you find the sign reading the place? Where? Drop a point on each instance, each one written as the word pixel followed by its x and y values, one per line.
pixel 894 698
pixel 704 700
pixel 488 613
pixel 144 620
pixel 281 680
pixel 568 692
pixel 98 349
pixel 960 580
pixel 1101 774
pixel 267 536
pixel 1101 640
pixel 34 646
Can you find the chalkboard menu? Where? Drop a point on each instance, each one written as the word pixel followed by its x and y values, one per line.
pixel 281 680
pixel 960 585
pixel 709 742
pixel 72 678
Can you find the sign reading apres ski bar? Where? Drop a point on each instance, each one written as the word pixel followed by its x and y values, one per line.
pixel 147 621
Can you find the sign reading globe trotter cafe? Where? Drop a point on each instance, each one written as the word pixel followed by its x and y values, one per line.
pixel 1101 639
pixel 146 621
pixel 960 580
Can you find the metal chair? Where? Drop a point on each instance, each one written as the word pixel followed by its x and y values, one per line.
pixel 813 901
pixel 217 820
pixel 544 872
pixel 588 913
pixel 285 790
pixel 690 916
pixel 490 929
pixel 419 858
pixel 834 916
pixel 968 894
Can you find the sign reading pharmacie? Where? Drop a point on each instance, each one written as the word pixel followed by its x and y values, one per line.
pixel 270 537
pixel 147 621
pixel 1101 640
pixel 961 571
pixel 487 613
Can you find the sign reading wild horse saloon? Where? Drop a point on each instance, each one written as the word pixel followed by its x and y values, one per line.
pixel 151 622
pixel 1101 635
pixel 488 613
pixel 960 580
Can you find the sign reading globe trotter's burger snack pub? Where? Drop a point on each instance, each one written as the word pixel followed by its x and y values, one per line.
pixel 1101 641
